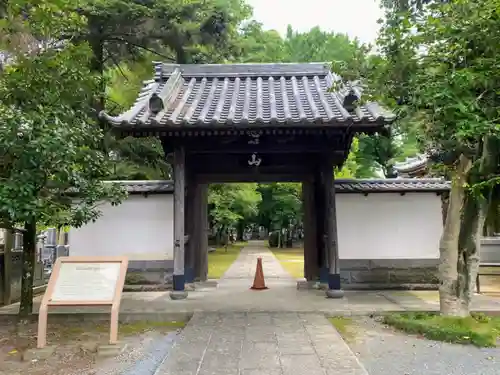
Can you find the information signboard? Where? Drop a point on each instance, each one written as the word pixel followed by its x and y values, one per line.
pixel 84 281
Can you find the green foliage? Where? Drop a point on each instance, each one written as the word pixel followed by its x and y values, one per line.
pixel 354 166
pixel 478 330
pixel 49 144
pixel 317 45
pixel 127 36
pixel 440 70
pixel 232 203
pixel 258 45
pixel 281 204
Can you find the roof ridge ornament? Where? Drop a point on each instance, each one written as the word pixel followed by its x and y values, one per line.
pixel 156 104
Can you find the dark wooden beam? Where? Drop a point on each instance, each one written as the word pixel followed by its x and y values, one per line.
pixel 206 178
pixel 254 165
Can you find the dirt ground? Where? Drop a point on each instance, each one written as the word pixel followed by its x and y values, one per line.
pixel 75 346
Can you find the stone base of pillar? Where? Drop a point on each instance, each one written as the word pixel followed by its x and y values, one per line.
pixel 335 293
pixel 178 294
pixel 334 289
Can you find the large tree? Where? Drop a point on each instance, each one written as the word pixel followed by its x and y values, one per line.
pixel 49 143
pixel 439 69
pixel 126 36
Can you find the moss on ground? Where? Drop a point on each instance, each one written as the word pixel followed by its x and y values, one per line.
pixel 129 328
pixel 221 259
pixel 292 260
pixel 478 329
pixel 345 326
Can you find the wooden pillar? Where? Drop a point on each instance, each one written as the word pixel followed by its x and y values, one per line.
pixel 200 233
pixel 334 287
pixel 311 268
pixel 319 207
pixel 203 232
pixel 190 230
pixel 179 291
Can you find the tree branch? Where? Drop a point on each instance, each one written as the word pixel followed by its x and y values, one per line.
pixel 169 58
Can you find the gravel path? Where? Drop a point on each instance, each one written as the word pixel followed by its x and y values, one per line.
pixel 386 352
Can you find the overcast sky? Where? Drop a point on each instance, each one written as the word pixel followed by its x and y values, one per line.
pixel 357 18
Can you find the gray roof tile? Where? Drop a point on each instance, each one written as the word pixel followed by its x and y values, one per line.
pixel 245 95
pixel 411 164
pixel 392 185
pixel 341 185
pixel 147 186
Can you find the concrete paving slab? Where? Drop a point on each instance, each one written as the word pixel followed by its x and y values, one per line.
pixel 233 295
pixel 261 348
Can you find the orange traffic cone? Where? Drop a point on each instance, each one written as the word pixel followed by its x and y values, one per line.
pixel 258 282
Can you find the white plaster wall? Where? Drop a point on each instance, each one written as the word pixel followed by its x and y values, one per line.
pixel 376 226
pixel 389 226
pixel 140 228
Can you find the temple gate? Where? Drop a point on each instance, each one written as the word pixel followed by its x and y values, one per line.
pixel 251 123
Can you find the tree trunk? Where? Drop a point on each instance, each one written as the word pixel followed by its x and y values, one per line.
pixel 240 230
pixel 445 198
pixel 96 43
pixel 461 240
pixel 29 261
pixel 474 216
pixel 448 245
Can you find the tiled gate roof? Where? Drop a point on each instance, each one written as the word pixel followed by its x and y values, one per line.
pixel 246 95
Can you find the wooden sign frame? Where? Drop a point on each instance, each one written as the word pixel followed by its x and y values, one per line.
pixel 114 303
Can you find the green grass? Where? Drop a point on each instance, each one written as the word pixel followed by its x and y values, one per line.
pixel 220 260
pixel 344 326
pixel 478 329
pixel 292 260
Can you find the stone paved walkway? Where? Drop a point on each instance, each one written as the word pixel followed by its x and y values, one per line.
pixel 262 343
pixel 233 295
pixel 241 272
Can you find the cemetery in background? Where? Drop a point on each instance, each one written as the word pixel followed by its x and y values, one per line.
pixel 49 247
